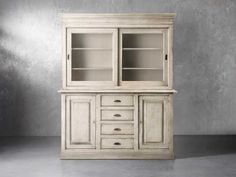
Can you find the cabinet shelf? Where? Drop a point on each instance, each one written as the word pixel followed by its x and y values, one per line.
pixel 91 48
pixel 91 68
pixel 142 68
pixel 142 48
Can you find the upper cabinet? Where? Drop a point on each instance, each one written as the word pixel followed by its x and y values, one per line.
pixel 116 51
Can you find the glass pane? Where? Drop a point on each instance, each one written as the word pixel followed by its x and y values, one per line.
pixel 142 57
pixel 92 75
pixel 91 57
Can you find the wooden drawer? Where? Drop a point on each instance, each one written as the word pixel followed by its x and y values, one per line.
pixel 112 114
pixel 117 129
pixel 117 143
pixel 117 100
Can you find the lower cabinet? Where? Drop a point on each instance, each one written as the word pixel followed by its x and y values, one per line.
pixel 117 126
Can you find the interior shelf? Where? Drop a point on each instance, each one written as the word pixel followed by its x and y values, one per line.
pixel 142 48
pixel 91 48
pixel 91 68
pixel 142 68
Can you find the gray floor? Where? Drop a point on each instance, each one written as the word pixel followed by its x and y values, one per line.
pixel 196 156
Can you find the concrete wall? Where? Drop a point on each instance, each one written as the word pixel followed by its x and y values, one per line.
pixel 204 62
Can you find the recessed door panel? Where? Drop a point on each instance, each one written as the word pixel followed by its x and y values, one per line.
pixel 153 122
pixel 81 122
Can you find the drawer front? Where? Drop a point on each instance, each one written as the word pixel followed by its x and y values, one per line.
pixel 117 114
pixel 117 143
pixel 117 100
pixel 117 129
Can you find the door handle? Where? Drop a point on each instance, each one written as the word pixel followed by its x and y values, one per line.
pixel 117 129
pixel 117 143
pixel 117 115
pixel 117 101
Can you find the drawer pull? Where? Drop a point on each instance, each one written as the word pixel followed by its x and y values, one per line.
pixel 117 101
pixel 117 143
pixel 117 115
pixel 117 129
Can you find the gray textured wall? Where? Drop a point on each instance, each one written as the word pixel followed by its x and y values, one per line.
pixel 204 62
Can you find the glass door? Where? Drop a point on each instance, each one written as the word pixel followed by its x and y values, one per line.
pixel 91 57
pixel 143 57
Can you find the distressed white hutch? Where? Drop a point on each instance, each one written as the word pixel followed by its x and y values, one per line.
pixel 116 99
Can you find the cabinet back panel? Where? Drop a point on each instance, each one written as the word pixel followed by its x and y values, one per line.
pixel 142 40
pixel 142 75
pixel 92 75
pixel 91 58
pixel 91 40
pixel 142 58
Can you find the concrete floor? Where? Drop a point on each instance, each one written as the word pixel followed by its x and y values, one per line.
pixel 196 156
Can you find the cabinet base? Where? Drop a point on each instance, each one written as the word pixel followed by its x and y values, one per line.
pixel 115 155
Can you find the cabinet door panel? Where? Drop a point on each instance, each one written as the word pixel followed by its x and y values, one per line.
pixel 143 59
pixel 91 57
pixel 153 122
pixel 81 122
